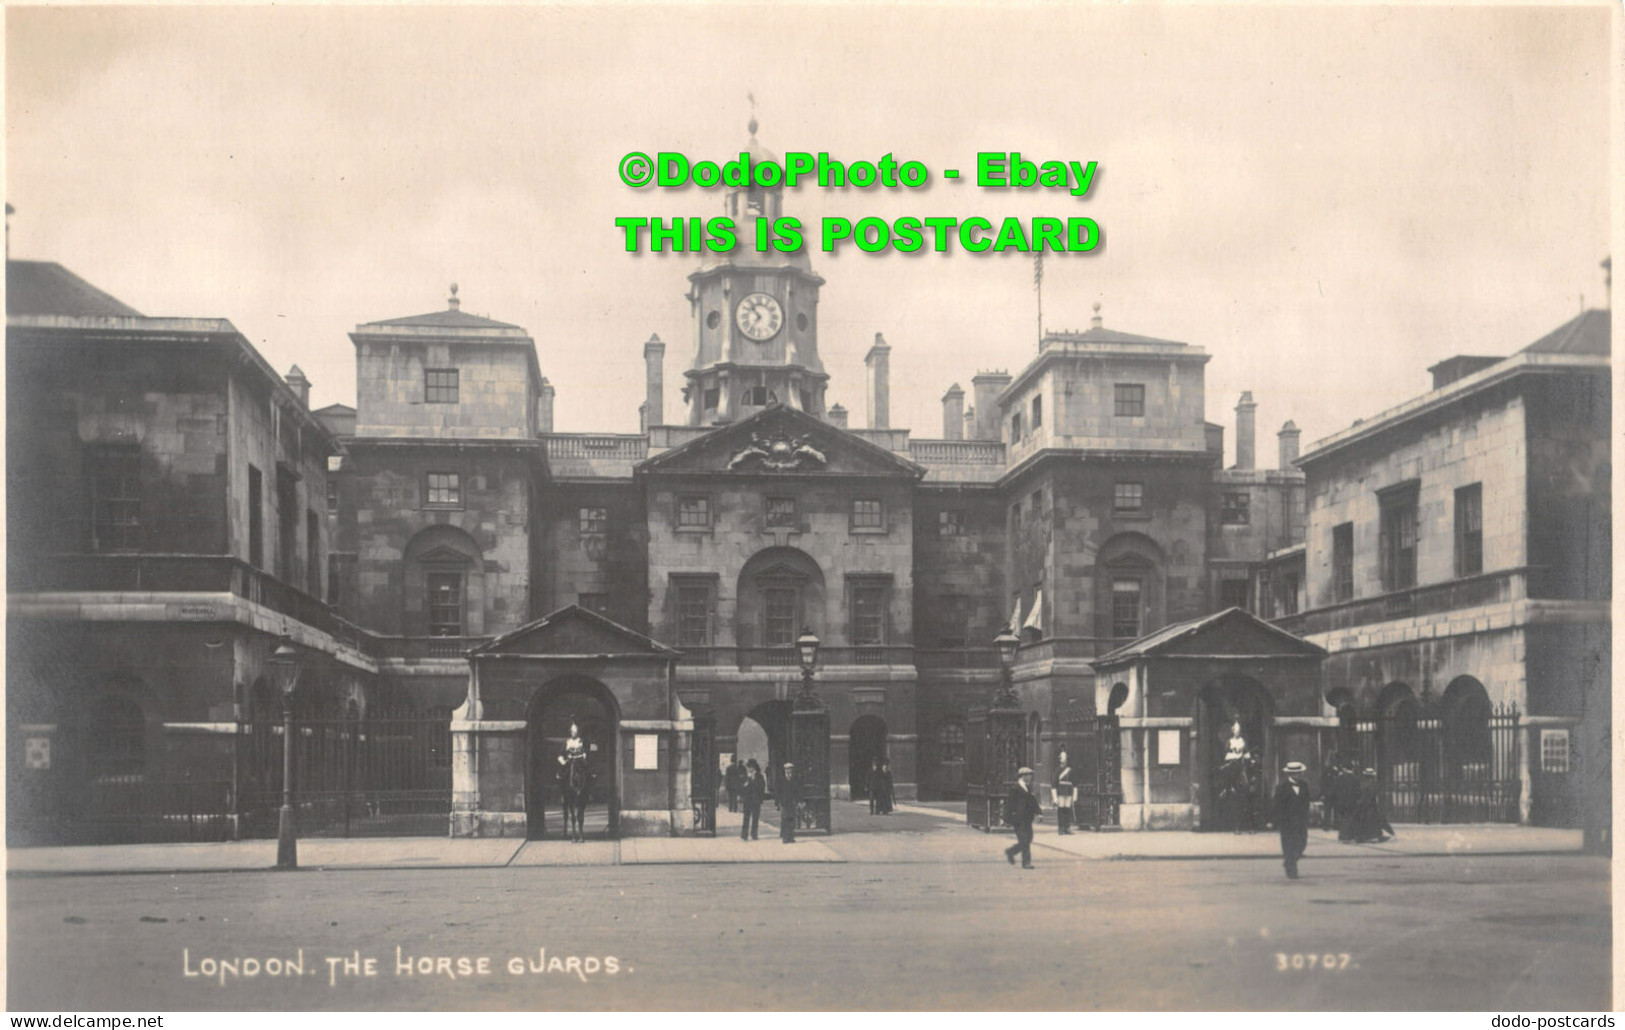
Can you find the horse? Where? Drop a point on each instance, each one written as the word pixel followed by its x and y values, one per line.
pixel 574 782
pixel 1237 793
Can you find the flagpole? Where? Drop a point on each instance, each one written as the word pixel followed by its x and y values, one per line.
pixel 1038 285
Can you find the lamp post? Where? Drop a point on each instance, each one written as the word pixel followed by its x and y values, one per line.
pixel 807 651
pixel 285 670
pixel 809 742
pixel 1007 644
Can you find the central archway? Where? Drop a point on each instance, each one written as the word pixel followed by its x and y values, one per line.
pixel 590 705
pixel 865 750
pixel 764 734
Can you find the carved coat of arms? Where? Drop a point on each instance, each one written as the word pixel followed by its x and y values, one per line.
pixel 778 453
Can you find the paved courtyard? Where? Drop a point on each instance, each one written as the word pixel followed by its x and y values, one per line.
pixel 926 915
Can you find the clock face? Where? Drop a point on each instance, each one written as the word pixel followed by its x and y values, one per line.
pixel 759 316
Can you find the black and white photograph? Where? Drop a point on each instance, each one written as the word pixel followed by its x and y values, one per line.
pixel 807 508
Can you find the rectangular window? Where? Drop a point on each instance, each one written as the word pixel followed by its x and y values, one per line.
pixel 115 498
pixel 1235 509
pixel 954 622
pixel 1397 541
pixel 1129 400
pixel 780 605
pixel 951 741
pixel 868 614
pixel 1289 594
pixel 440 386
pixel 256 519
pixel 1015 427
pixel 868 514
pixel 1554 751
pixel 1038 412
pixel 287 522
pixel 313 554
pixel 950 523
pixel 594 521
pixel 1232 593
pixel 444 490
pixel 445 603
pixel 334 578
pixel 1470 530
pixel 596 603
pixel 332 495
pixel 693 512
pixel 1126 608
pixel 712 397
pixel 781 512
pixel 1343 561
pixel 693 614
pixel 1128 497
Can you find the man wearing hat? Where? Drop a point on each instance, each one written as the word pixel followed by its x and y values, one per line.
pixel 1292 816
pixel 789 800
pixel 1019 811
pixel 751 793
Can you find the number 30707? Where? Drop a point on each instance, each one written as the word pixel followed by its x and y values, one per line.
pixel 1283 961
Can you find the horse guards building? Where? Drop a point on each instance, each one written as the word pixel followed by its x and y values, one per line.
pixel 1427 588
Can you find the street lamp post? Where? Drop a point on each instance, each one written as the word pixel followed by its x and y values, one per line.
pixel 809 741
pixel 1007 644
pixel 999 744
pixel 285 669
pixel 807 651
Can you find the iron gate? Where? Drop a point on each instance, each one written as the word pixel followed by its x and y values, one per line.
pixel 352 777
pixel 996 746
pixel 1093 745
pixel 1432 769
pixel 703 772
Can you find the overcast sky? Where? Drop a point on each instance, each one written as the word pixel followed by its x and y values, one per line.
pixel 1327 200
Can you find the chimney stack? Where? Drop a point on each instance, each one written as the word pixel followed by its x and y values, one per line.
pixel 953 413
pixel 300 386
pixel 544 408
pixel 877 365
pixel 654 354
pixel 986 387
pixel 1289 444
pixel 837 416
pixel 1244 430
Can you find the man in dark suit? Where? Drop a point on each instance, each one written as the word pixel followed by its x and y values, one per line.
pixel 789 800
pixel 752 792
pixel 1020 809
pixel 1292 816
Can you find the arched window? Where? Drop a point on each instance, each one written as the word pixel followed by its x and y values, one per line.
pixel 444 584
pixel 951 741
pixel 118 737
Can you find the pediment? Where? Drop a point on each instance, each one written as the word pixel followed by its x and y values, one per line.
pixel 1232 632
pixel 577 632
pixel 782 441
pixel 443 555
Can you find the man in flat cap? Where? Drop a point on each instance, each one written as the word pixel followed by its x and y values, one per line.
pixel 1020 809
pixel 1292 816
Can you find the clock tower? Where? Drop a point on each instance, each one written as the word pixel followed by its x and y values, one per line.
pixel 755 319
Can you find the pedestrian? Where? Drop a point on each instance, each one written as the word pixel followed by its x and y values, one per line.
pixel 1345 794
pixel 1292 816
pixel 789 801
pixel 1370 823
pixel 1020 809
pixel 874 787
pixel 884 788
pixel 732 779
pixel 1064 796
pixel 752 791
